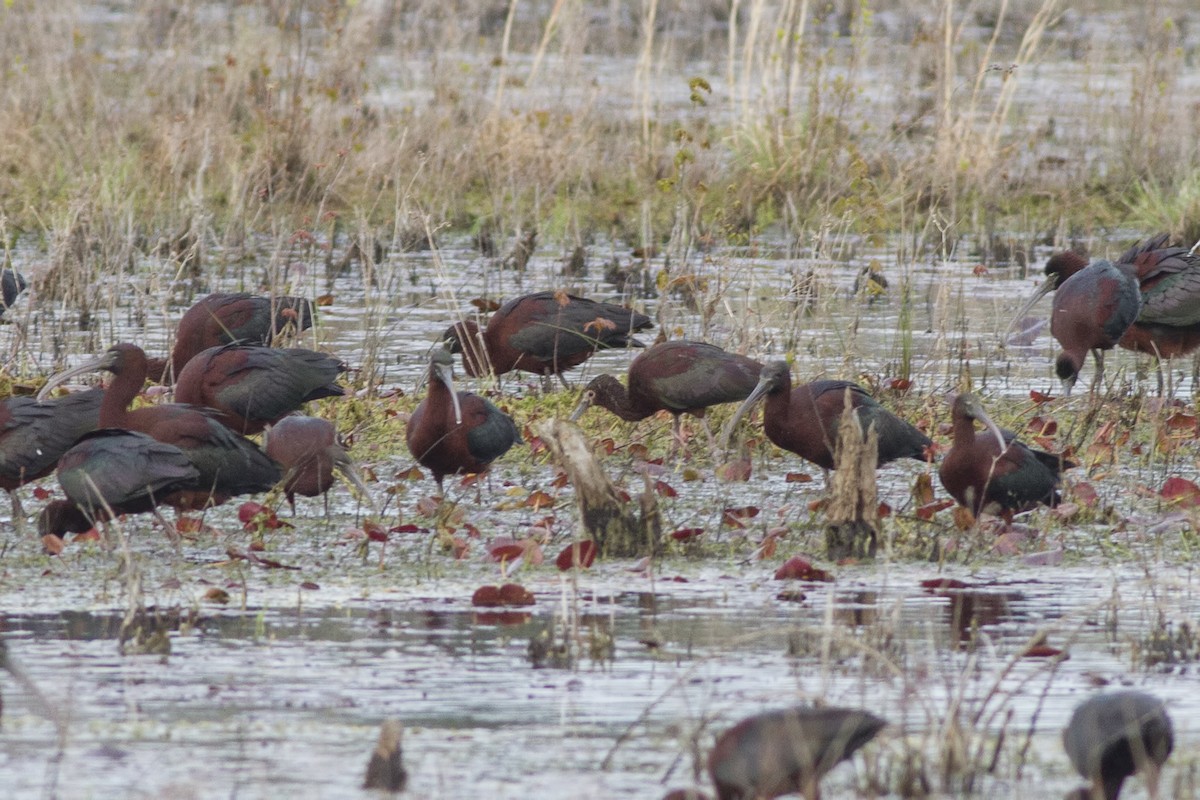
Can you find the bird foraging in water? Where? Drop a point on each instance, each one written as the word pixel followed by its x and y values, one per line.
pixel 545 333
pixel 1092 310
pixel 452 432
pixel 681 377
pixel 111 472
pixel 1114 735
pixel 788 751
pixel 992 471
pixel 805 419
pixel 251 387
pixel 310 451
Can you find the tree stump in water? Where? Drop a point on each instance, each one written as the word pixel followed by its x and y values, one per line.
pixel 608 520
pixel 853 529
pixel 385 770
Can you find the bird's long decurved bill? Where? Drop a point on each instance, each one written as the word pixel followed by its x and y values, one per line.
pixel 759 392
pixel 93 365
pixel 1043 290
pixel 446 374
pixel 349 470
pixel 982 416
pixel 583 405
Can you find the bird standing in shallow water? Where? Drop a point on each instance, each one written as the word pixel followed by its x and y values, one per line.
pixel 545 333
pixel 251 386
pixel 452 432
pixel 992 471
pixel 111 472
pixel 309 450
pixel 805 420
pixel 1092 311
pixel 787 751
pixel 681 377
pixel 229 464
pixel 1114 735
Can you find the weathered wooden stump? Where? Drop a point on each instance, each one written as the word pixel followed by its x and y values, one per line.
pixel 853 529
pixel 386 770
pixel 610 522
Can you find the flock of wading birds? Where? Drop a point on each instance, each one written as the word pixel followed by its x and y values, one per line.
pixel 229 383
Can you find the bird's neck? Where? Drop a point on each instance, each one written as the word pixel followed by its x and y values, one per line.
pixel 612 395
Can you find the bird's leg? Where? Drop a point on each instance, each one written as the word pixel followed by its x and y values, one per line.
pixel 676 436
pixel 1098 378
pixel 18 513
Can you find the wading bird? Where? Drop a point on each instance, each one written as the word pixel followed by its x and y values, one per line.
pixel 1114 735
pixel 229 464
pixel 310 451
pixel 805 419
pixel 452 432
pixel 992 471
pixel 545 333
pixel 787 751
pixel 253 386
pixel 681 377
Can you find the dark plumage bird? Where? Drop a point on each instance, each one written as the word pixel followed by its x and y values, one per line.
pixel 111 472
pixel 1114 735
pixel 787 751
pixel 452 432
pixel 12 283
pixel 310 450
pixel 681 377
pixel 34 435
pixel 1092 311
pixel 805 420
pixel 229 464
pixel 545 333
pixel 251 386
pixel 228 317
pixel 992 471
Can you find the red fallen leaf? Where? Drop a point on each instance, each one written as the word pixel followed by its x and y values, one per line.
pixel 607 445
pixel 90 535
pixel 623 495
pixel 664 489
pixel 323 300
pixel 944 583
pixel 216 595
pixel 428 506
pixel 538 500
pixel 406 528
pixel 505 551
pixel 484 304
pixel 486 597
pixel 1041 651
pixel 1180 421
pixel 257 547
pixel 742 512
pixel 310 586
pixel 410 474
pixel 929 509
pixel 922 490
pixel 189 524
pixel 885 511
pixel 52 545
pixel 514 594
pixel 580 553
pixel 800 569
pixel 1042 426
pixel 683 534
pixel 1085 493
pixel 1181 491
pixel 898 385
pixel 1040 398
pixel 460 547
pixel 737 470
pixel 979 270
pixel 730 521
pixel 41 494
pixel 963 518
pixel 535 444
pixel 818 505
pixel 471 530
pixel 249 510
pixel 375 532
pixel 560 480
pixel 638 450
pixel 797 477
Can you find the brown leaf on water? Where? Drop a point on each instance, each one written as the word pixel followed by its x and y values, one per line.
pixel 922 490
pixel 963 518
pixel 309 586
pixel 797 477
pixel 1040 398
pixel 927 511
pixel 801 569
pixel 505 549
pixel 1043 651
pixel 53 545
pixel 323 301
pixel 736 470
pixel 484 304
pixel 1085 493
pixel 413 473
pixel 486 597
pixel 1042 426
pixel 514 594
pixel 538 499
pixel 684 534
pixel 580 554
pixel 599 325
pixel 428 506
pixel 663 489
pixel 215 594
pixel 1181 492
